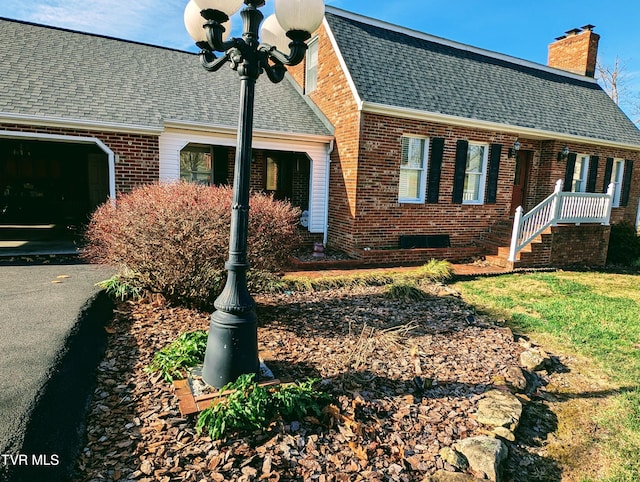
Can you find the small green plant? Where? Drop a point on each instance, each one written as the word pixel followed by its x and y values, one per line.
pixel 300 400
pixel 186 351
pixel 405 291
pixel 249 406
pixel 120 287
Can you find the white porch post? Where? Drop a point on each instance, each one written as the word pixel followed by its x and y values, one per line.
pixel 517 221
pixel 557 202
pixel 609 203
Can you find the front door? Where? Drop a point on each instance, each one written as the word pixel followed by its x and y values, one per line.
pixel 520 180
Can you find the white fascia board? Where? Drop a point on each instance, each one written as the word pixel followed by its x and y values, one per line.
pixel 527 132
pixel 82 124
pixel 343 64
pixel 257 133
pixel 451 43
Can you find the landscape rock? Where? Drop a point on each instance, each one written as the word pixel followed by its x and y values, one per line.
pixel 515 378
pixel 499 409
pixel 505 433
pixel 534 359
pixel 484 454
pixel 455 459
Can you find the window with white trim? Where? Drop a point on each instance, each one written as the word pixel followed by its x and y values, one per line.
pixel 580 174
pixel 475 174
pixel 196 164
pixel 413 170
pixel 616 179
pixel 311 67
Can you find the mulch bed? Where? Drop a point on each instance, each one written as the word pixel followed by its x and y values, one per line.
pixel 365 347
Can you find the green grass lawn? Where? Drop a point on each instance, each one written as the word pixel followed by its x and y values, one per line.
pixel 596 315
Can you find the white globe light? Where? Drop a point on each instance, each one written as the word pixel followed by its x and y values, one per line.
pixel 304 15
pixel 272 33
pixel 194 22
pixel 227 6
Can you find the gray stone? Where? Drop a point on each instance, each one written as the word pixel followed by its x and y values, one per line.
pixel 455 459
pixel 484 454
pixel 505 433
pixel 534 359
pixel 499 409
pixel 515 378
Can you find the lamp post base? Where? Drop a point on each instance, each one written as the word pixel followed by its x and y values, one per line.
pixel 232 348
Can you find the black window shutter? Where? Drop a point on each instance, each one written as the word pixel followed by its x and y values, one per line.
pixel 568 175
pixel 494 170
pixel 593 173
pixel 220 165
pixel 461 168
pixel 435 169
pixel 608 171
pixel 626 183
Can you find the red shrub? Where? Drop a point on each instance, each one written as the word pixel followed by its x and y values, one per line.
pixel 174 238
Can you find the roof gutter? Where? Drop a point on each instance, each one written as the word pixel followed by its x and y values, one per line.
pixel 262 133
pixel 81 124
pixel 529 132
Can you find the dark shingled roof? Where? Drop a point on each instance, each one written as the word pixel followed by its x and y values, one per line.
pixel 396 68
pixel 57 73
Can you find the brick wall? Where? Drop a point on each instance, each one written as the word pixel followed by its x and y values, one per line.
pixel 584 245
pixel 138 154
pixel 576 52
pixel 364 211
pixel 335 98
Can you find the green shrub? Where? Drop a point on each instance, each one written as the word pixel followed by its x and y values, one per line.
pixel 173 239
pixel 186 351
pixel 405 291
pixel 250 407
pixel 624 245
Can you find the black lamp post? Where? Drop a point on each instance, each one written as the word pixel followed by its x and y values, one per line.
pixel 232 346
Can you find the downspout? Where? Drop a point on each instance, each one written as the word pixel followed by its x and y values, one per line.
pixel 326 194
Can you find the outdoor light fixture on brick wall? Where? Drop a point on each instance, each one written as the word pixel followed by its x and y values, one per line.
pixel 232 346
pixel 513 151
pixel 563 154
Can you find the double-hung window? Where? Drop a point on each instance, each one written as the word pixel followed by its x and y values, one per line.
pixel 311 67
pixel 618 176
pixel 580 174
pixel 475 174
pixel 413 170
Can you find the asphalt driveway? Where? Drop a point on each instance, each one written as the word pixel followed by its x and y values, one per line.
pixel 52 338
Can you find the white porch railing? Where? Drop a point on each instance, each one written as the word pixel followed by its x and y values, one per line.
pixel 559 208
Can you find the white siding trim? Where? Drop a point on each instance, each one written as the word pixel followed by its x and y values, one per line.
pixel 171 141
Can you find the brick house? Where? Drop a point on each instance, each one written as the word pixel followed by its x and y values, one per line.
pixel 84 117
pixel 395 161
pixel 426 152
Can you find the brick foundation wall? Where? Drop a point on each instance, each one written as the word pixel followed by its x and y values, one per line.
pixel 584 245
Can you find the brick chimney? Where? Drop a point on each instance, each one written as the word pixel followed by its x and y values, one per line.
pixel 577 51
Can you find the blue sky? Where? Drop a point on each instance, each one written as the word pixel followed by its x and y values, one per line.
pixel 517 28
